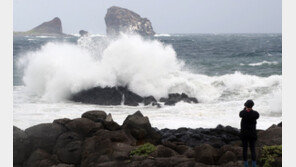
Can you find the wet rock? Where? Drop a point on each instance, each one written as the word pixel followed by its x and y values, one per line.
pixel 162 151
pixel 237 150
pixel 44 136
pixel 271 136
pixel 107 96
pixel 68 148
pixel 217 137
pixel 63 165
pixel 149 100
pixel 130 98
pixel 81 126
pixel 96 145
pixel 21 146
pixel 121 151
pixel 98 95
pixel 115 136
pixel 140 128
pixel 95 115
pixel 206 154
pixel 174 98
pixel 110 124
pixel 40 158
pixel 227 157
pixel 62 121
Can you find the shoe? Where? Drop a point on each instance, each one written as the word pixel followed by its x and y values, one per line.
pixel 246 164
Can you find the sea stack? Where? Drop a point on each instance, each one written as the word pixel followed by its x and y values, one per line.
pixel 123 20
pixel 51 28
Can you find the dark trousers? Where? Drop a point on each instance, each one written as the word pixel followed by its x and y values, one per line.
pixel 251 143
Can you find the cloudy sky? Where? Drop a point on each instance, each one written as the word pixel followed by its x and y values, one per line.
pixel 167 16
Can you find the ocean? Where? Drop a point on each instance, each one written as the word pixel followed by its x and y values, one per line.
pixel 221 70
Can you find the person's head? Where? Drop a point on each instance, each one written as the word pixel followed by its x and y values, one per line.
pixel 249 104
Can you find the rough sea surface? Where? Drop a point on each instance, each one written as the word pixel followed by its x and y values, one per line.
pixel 221 70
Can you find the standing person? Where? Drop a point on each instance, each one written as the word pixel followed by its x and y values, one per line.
pixel 248 131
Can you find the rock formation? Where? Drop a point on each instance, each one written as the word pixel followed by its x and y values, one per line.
pixel 123 20
pixel 83 33
pixel 121 95
pixel 49 28
pixel 90 141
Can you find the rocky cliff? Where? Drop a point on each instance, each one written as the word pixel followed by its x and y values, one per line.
pixel 123 20
pixel 52 27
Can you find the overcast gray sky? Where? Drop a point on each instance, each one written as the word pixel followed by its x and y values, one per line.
pixel 167 16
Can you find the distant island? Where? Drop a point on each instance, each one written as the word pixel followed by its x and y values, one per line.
pixel 49 28
pixel 123 20
pixel 117 20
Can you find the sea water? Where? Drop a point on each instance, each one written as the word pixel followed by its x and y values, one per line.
pixel 221 70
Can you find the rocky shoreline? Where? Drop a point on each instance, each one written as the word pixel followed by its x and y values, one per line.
pixel 95 140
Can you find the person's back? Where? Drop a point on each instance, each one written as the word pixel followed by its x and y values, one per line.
pixel 248 123
pixel 248 131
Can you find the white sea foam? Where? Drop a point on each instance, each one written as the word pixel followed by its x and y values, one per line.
pixel 147 67
pixel 263 63
pixel 162 35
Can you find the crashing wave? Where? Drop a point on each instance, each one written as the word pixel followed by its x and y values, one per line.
pixel 146 67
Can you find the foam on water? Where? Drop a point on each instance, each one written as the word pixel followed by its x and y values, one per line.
pixel 263 63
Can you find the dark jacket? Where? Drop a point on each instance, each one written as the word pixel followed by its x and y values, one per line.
pixel 248 124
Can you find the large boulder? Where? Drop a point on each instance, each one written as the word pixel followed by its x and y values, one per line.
pixel 81 126
pixel 21 146
pixel 107 96
pixel 206 154
pixel 140 128
pixel 271 136
pixel 110 124
pixel 95 115
pixel 44 136
pixel 41 158
pixel 174 98
pixel 95 147
pixel 68 148
pixel 162 151
pixel 123 20
pixel 227 157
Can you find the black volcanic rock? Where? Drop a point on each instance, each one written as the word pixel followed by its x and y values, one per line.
pixel 122 95
pixel 21 146
pixel 176 97
pixel 140 128
pixel 123 20
pixel 107 96
pixel 64 144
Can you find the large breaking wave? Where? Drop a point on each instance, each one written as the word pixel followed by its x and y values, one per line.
pixel 146 67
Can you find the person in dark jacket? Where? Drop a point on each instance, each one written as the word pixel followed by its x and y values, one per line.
pixel 248 131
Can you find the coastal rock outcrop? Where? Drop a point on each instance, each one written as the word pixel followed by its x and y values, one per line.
pixel 120 19
pixel 88 141
pixel 49 28
pixel 122 95
pixel 176 97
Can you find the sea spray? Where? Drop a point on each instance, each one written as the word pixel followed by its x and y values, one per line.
pixel 146 67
